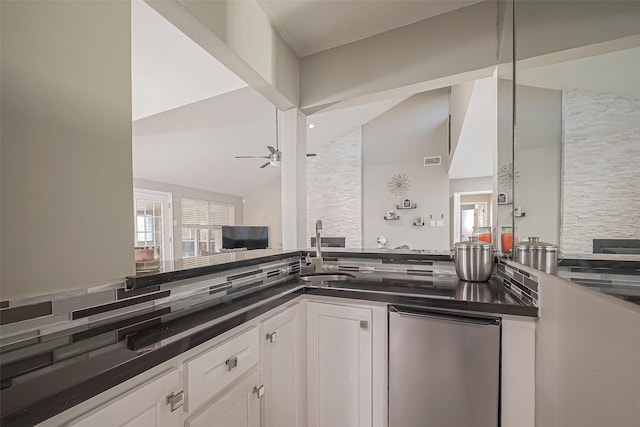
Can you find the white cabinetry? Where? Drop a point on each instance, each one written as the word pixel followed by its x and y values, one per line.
pixel 282 367
pixel 237 407
pixel 339 365
pixel 211 371
pixel 144 406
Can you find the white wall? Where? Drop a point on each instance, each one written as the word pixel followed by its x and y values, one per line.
pixel 587 347
pixel 483 183
pixel 293 182
pixel 601 164
pixel 396 142
pixel 67 211
pixel 459 99
pixel 264 207
pixel 178 192
pixel 537 160
pixel 334 189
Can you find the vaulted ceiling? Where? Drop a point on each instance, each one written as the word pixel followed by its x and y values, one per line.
pixel 311 26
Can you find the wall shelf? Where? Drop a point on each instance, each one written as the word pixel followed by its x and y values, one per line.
pixel 418 225
pixel 412 207
pixel 391 219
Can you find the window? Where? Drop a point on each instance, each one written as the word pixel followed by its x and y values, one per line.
pixel 148 223
pixel 201 226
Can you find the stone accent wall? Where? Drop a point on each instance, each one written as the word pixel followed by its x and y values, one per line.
pixel 334 189
pixel 601 168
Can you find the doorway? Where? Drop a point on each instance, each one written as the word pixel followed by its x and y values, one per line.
pixel 471 209
pixel 153 223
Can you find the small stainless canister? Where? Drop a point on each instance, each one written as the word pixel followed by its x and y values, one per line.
pixel 473 260
pixel 539 255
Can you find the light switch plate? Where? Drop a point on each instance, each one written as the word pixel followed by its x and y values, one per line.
pixel 440 223
pixel 432 223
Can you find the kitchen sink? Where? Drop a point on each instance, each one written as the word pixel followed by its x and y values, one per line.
pixel 319 279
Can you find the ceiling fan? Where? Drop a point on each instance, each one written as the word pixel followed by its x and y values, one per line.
pixel 275 155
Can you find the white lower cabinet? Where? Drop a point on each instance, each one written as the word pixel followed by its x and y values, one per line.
pixel 339 365
pixel 144 406
pixel 283 369
pixel 315 363
pixel 237 407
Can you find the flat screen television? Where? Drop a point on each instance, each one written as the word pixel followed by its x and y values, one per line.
pixel 242 236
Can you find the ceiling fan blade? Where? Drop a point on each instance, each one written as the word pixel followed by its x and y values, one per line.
pixel 273 150
pixel 311 154
pixel 252 157
pixel 265 165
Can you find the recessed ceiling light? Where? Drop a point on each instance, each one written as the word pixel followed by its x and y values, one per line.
pixel 312 125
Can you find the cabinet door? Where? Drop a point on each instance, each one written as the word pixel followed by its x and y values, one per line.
pixel 238 406
pixel 144 406
pixel 339 365
pixel 281 369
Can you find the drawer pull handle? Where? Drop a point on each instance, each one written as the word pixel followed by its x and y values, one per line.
pixel 232 363
pixel 272 337
pixel 175 400
pixel 259 391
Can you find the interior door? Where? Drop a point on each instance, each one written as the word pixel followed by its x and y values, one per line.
pixel 153 221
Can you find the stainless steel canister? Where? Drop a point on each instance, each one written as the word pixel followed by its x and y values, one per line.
pixel 473 260
pixel 539 255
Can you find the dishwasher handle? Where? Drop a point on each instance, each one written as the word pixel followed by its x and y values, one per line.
pixel 448 316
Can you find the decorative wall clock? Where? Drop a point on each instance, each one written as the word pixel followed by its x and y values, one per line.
pixel 399 184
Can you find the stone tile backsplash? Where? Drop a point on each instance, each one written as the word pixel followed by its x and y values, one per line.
pixel 334 189
pixel 601 160
pixel 519 282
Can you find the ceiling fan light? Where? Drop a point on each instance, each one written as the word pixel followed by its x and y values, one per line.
pixel 275 159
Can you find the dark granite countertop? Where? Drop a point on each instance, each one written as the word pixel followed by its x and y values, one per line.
pixel 110 352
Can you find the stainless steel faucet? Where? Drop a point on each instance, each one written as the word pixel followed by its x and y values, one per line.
pixel 316 261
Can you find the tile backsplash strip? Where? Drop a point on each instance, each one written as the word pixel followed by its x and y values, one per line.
pixel 618 282
pixel 33 318
pixel 408 266
pixel 519 282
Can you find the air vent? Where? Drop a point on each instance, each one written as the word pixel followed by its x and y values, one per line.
pixel 432 161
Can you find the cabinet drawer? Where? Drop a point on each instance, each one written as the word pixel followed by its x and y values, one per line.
pixel 236 407
pixel 210 372
pixel 145 405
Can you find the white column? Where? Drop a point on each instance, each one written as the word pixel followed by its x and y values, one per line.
pixel 293 143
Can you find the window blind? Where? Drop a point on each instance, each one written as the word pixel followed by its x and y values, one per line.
pixel 204 213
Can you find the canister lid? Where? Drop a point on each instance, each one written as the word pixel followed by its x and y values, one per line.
pixel 474 243
pixel 534 243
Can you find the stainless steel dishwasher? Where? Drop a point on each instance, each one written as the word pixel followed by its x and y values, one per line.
pixel 444 369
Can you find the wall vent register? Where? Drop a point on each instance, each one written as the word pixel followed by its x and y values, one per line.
pixel 432 161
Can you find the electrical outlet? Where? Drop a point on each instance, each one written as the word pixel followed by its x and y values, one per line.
pixel 440 223
pixel 432 223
